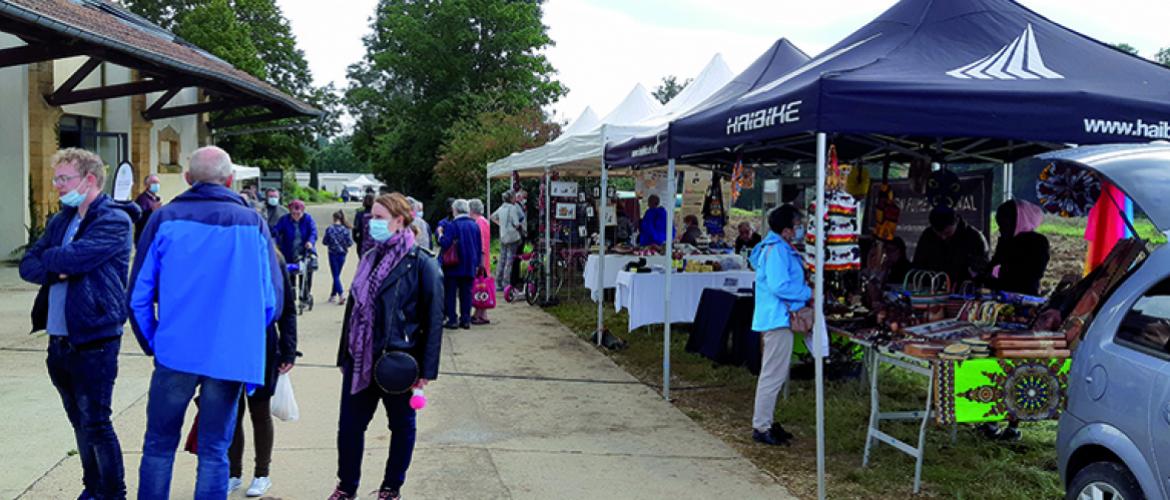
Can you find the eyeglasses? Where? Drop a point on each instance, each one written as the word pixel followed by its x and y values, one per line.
pixel 62 179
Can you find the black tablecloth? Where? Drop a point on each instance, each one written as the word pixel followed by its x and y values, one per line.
pixel 722 329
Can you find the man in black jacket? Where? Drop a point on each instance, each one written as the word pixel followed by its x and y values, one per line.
pixel 81 263
pixel 952 246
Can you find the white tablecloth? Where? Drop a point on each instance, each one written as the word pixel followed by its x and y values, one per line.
pixel 615 264
pixel 642 293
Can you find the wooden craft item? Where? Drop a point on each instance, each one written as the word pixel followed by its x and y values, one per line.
pixel 1036 353
pixel 1029 344
pixel 922 350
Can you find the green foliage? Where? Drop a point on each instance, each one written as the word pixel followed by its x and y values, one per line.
pixel 294 191
pixel 254 36
pixel 1163 57
pixel 474 142
pixel 336 155
pixel 669 88
pixel 430 65
pixel 1125 47
pixel 213 27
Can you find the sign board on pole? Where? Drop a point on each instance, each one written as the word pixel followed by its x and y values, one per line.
pixel 124 182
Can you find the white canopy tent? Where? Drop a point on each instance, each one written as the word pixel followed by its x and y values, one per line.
pixel 363 182
pixel 582 149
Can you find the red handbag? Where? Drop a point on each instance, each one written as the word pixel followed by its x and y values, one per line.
pixel 450 257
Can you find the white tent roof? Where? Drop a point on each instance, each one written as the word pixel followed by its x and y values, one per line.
pixel 363 182
pixel 638 114
pixel 243 172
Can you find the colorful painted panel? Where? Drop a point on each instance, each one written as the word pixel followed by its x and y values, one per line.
pixel 991 390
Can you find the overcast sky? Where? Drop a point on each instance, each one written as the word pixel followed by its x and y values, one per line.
pixel 604 47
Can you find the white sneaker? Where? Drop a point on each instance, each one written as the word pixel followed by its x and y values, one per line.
pixel 260 486
pixel 234 484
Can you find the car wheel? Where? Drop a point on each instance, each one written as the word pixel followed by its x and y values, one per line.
pixel 1104 481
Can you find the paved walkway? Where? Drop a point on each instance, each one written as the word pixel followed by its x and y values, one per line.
pixel 522 409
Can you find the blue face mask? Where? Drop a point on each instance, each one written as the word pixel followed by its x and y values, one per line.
pixel 380 230
pixel 273 201
pixel 154 188
pixel 73 198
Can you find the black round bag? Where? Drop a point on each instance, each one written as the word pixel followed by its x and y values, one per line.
pixel 396 372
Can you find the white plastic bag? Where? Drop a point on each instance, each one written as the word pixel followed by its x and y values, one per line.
pixel 284 404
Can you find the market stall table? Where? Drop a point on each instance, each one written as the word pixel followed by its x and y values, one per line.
pixel 616 263
pixel 962 391
pixel 722 329
pixel 642 294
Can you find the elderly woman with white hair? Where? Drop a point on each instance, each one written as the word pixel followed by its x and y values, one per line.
pixel 461 255
pixel 485 240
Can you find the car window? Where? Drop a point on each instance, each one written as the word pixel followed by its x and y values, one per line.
pixel 1147 325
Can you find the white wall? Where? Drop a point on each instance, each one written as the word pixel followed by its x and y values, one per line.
pixel 186 126
pixel 63 69
pixel 14 215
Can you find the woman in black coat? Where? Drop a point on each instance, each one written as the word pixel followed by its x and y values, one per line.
pixel 396 304
pixel 281 355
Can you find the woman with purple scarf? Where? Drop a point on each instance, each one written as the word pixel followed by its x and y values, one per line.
pixel 396 303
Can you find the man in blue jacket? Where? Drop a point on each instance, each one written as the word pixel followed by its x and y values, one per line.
pixel 81 263
pixel 781 290
pixel 206 260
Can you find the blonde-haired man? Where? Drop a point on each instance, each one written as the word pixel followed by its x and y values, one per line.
pixel 81 262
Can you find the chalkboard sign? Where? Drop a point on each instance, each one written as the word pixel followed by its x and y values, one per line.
pixel 974 206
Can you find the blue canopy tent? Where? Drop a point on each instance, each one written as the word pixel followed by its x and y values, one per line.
pixel 982 80
pixel 781 58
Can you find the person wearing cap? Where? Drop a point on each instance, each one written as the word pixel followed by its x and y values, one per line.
pixel 952 246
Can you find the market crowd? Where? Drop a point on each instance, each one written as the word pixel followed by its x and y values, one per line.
pixel 229 339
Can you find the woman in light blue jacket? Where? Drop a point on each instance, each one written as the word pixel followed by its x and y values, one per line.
pixel 781 290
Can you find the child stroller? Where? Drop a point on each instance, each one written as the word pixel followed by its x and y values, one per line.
pixel 301 275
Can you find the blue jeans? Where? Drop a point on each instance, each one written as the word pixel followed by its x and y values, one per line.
pixel 170 393
pixel 84 377
pixel 356 412
pixel 336 262
pixel 457 285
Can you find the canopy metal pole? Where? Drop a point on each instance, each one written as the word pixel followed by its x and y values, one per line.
pixel 603 201
pixel 673 183
pixel 547 234
pixel 1010 181
pixel 820 334
pixel 487 197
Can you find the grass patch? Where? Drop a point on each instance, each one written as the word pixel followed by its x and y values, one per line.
pixel 720 398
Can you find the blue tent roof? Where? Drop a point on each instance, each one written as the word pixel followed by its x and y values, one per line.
pixel 929 71
pixel 781 58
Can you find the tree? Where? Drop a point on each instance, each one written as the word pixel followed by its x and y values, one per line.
pixel 474 142
pixel 253 36
pixel 669 88
pixel 1163 57
pixel 429 65
pixel 1125 47
pixel 336 155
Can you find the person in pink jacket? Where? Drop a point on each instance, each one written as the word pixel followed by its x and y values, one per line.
pixel 485 238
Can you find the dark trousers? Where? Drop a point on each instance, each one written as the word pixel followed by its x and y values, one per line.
pixel 336 262
pixel 356 412
pixel 170 394
pixel 453 285
pixel 84 377
pixel 262 433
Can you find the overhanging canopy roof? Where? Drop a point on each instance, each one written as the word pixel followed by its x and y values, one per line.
pixel 973 78
pixel 105 31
